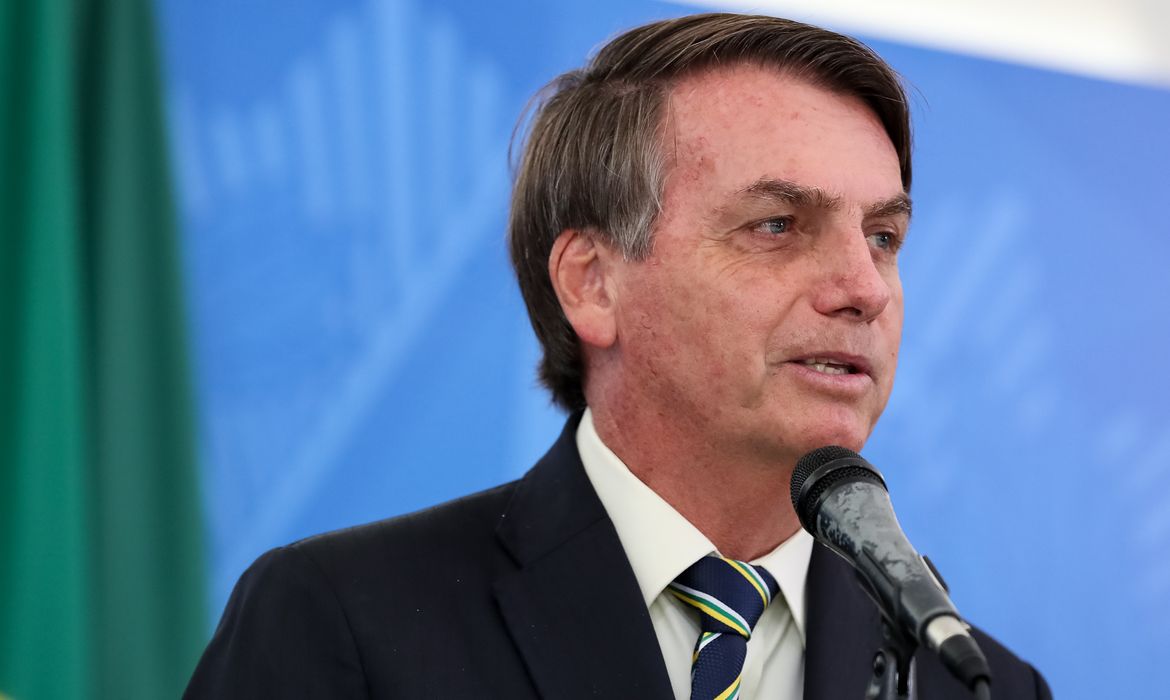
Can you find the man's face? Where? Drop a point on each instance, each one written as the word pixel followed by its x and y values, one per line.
pixel 767 318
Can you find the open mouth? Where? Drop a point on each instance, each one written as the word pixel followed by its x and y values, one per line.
pixel 827 366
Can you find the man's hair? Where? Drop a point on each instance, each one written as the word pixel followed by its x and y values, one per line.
pixel 593 161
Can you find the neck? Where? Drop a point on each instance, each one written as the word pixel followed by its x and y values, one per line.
pixel 699 478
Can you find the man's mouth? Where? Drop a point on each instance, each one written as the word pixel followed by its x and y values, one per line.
pixel 827 366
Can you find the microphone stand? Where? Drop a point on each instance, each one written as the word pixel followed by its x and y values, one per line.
pixel 892 667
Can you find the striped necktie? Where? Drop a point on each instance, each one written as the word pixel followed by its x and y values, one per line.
pixel 731 595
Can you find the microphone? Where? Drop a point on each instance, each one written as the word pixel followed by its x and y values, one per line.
pixel 841 499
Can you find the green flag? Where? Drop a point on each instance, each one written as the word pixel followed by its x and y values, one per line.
pixel 101 579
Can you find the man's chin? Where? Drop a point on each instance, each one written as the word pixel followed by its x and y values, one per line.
pixel 786 445
pixel 848 434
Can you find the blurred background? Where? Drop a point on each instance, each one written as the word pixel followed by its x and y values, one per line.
pixel 253 286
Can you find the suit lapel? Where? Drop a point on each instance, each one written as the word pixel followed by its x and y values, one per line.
pixel 843 629
pixel 573 606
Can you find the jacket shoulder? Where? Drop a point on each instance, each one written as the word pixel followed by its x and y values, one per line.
pixel 454 528
pixel 306 619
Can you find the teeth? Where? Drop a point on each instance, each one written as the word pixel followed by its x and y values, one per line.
pixel 829 369
pixel 826 366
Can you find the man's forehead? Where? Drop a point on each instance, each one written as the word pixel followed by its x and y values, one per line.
pixel 699 103
pixel 753 130
pixel 728 85
pixel 715 77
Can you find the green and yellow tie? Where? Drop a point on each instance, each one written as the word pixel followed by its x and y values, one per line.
pixel 730 596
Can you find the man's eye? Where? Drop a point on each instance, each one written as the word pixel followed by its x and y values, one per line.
pixel 884 240
pixel 775 226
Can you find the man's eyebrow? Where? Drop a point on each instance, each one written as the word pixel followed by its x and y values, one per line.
pixel 894 206
pixel 804 196
pixel 789 193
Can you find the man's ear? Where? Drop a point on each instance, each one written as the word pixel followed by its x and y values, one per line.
pixel 580 268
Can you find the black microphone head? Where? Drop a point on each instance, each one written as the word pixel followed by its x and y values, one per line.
pixel 818 471
pixel 843 503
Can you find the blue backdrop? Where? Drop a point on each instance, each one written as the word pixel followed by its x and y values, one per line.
pixel 361 349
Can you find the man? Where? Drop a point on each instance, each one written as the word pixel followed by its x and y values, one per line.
pixel 705 226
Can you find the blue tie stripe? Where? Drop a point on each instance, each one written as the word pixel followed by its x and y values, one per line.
pixel 730 595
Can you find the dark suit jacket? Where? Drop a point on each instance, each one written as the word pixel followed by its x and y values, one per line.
pixel 522 591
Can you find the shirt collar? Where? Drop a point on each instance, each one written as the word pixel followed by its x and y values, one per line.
pixel 659 542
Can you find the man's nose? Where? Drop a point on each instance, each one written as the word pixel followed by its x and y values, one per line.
pixel 851 284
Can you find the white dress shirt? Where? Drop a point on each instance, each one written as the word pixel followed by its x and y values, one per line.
pixel 660 544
